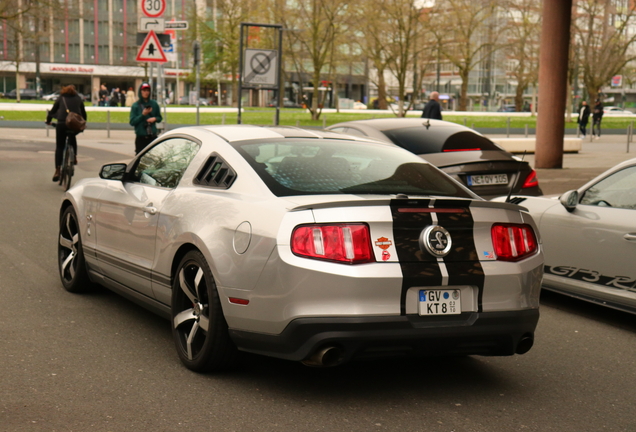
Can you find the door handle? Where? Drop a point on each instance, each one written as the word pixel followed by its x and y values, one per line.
pixel 630 237
pixel 150 210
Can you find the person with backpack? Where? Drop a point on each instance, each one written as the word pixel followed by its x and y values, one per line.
pixel 144 116
pixel 68 101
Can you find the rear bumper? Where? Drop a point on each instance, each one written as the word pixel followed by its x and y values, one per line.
pixel 471 333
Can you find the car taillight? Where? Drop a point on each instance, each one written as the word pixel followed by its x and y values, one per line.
pixel 531 180
pixel 513 242
pixel 346 243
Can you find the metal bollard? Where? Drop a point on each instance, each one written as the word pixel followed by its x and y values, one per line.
pixel 324 122
pixel 297 123
pixel 508 128
pixel 472 126
pixel 274 120
pixel 108 123
pixel 526 130
pixel 465 121
pixel 223 119
pixel 629 135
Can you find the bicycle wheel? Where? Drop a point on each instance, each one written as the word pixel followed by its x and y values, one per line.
pixel 63 167
pixel 68 167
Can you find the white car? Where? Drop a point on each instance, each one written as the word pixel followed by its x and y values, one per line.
pixel 51 97
pixel 616 111
pixel 359 105
pixel 304 245
pixel 589 238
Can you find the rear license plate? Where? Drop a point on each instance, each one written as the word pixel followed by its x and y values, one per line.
pixel 440 302
pixel 487 179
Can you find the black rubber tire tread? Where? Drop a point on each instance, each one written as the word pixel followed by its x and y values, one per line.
pixel 218 351
pixel 80 281
pixel 68 167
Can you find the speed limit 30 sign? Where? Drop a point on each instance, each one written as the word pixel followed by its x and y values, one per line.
pixel 153 8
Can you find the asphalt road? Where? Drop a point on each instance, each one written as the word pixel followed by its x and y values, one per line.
pixel 97 362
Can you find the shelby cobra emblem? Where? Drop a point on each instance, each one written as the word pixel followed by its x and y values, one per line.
pixel 436 241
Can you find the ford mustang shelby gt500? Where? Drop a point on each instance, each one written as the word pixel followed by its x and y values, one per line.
pixel 303 245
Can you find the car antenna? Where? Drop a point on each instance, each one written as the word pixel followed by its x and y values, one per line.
pixel 427 124
pixel 518 174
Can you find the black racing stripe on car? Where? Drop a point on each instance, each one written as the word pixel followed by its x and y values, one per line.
pixel 123 265
pixel 419 268
pixel 462 262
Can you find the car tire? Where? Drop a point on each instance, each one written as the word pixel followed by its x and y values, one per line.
pixel 198 326
pixel 70 253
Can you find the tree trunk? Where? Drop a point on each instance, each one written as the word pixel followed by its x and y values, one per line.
pixel 463 95
pixel 381 90
pixel 519 97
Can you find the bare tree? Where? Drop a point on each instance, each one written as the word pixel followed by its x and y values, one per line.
pixel 316 25
pixel 220 41
pixel 522 48
pixel 463 28
pixel 374 40
pixel 403 31
pixel 604 36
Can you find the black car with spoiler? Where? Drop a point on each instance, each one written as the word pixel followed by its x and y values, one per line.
pixel 467 156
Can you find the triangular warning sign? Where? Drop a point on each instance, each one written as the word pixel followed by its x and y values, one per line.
pixel 151 50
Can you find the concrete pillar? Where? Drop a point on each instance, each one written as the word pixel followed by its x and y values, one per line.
pixel 553 70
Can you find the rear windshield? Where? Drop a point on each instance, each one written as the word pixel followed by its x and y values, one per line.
pixel 419 140
pixel 320 166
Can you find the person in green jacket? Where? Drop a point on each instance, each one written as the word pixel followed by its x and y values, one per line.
pixel 144 116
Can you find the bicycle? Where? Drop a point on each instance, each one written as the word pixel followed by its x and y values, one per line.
pixel 67 169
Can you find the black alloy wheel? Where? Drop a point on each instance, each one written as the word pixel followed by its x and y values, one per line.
pixel 70 255
pixel 198 326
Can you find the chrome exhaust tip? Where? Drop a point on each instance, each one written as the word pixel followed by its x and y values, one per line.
pixel 325 357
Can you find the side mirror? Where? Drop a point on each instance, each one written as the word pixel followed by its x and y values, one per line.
pixel 569 200
pixel 113 171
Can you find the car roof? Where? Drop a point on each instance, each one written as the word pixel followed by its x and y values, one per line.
pixel 398 123
pixel 235 133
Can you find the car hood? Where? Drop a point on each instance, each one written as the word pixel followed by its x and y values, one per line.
pixel 441 160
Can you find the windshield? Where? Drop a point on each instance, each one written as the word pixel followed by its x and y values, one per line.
pixel 321 166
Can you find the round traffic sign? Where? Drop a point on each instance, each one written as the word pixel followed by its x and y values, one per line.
pixel 153 8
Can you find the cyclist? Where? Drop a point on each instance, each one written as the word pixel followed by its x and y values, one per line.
pixel 72 102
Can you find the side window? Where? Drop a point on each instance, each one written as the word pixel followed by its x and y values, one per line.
pixel 164 164
pixel 617 190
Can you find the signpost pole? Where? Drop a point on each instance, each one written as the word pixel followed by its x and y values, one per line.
pixel 240 83
pixel 280 61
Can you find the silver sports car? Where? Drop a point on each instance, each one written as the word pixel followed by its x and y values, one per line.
pixel 589 238
pixel 303 245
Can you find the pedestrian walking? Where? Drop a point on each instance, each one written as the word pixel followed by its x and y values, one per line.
pixel 597 117
pixel 114 97
pixel 103 95
pixel 432 109
pixel 584 118
pixel 122 98
pixel 130 97
pixel 144 116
